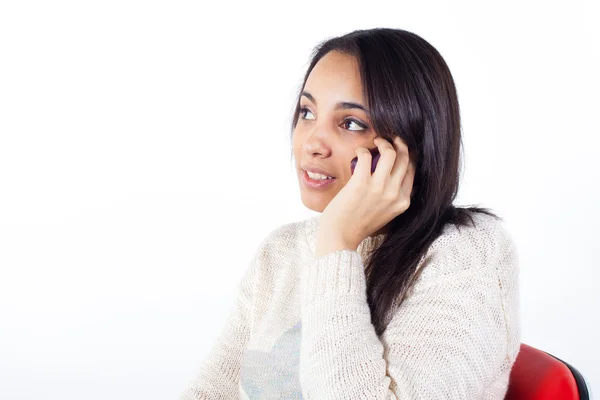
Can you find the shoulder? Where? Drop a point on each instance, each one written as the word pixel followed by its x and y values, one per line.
pixel 284 235
pixel 284 241
pixel 484 245
pixel 278 252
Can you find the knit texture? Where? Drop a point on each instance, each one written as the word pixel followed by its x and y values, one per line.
pixel 301 326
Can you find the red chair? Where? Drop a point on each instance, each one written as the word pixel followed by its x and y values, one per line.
pixel 537 375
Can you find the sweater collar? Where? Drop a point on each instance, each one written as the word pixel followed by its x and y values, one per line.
pixel 365 247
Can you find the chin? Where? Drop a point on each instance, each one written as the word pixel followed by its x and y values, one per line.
pixel 313 203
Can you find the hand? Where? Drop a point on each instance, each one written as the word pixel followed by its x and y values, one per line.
pixel 368 201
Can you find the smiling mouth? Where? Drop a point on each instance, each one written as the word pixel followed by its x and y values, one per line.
pixel 316 183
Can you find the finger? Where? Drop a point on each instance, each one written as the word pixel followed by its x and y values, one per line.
pixel 408 181
pixel 386 159
pixel 362 170
pixel 402 160
pixel 404 172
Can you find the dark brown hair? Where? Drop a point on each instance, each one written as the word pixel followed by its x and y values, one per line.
pixel 410 93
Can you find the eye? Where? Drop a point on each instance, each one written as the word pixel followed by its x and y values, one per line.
pixel 355 122
pixel 303 112
pixel 361 127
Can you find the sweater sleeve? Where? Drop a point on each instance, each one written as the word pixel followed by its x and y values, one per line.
pixel 454 337
pixel 219 373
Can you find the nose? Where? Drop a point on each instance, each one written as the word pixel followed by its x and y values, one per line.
pixel 318 142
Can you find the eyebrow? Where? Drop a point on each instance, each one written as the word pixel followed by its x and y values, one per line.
pixel 341 105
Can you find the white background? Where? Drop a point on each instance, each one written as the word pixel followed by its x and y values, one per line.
pixel 145 154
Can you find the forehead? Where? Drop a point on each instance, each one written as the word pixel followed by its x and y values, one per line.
pixel 334 78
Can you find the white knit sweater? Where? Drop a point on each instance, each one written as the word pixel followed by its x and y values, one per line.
pixel 301 327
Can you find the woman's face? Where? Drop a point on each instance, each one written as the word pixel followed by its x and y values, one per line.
pixel 330 126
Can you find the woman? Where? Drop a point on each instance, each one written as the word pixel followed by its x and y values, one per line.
pixel 391 292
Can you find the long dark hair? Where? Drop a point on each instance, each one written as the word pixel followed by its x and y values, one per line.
pixel 410 93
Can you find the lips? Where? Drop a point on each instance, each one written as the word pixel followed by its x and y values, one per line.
pixel 317 170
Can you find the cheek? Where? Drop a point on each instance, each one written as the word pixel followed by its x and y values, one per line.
pixel 297 142
pixel 296 137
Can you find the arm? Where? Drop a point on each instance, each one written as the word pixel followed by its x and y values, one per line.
pixel 450 339
pixel 219 374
